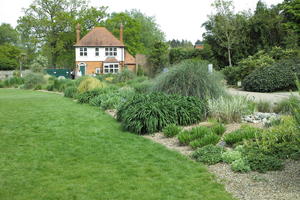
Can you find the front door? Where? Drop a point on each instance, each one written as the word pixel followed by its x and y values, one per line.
pixel 82 69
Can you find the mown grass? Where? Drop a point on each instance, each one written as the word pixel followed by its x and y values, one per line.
pixel 54 148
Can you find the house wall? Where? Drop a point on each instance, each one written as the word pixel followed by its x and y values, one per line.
pixel 90 66
pixel 91 54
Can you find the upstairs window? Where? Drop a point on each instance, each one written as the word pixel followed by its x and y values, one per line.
pixel 96 51
pixel 83 51
pixel 110 51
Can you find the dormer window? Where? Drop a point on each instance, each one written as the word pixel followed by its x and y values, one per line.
pixel 96 51
pixel 110 51
pixel 83 51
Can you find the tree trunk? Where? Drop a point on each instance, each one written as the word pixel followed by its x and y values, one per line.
pixel 229 56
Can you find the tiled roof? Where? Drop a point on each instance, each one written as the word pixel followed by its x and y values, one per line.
pixel 99 36
pixel 129 59
pixel 111 60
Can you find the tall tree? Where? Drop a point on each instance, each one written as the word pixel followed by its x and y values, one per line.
pixel 8 35
pixel 50 25
pixel 158 57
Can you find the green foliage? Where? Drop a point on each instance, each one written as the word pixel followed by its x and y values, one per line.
pixel 70 92
pixel 158 57
pixel 13 82
pixel 55 84
pixel 124 76
pixel 90 83
pixel 111 98
pixel 263 106
pixel 140 71
pixel 176 55
pixel 230 109
pixel 210 138
pixel 209 154
pixel 39 64
pixel 244 133
pixel 9 57
pixel 8 35
pixel 280 76
pixel 240 165
pixel 231 74
pixel 286 106
pixel 190 78
pixel 186 137
pixel 171 130
pixel 142 87
pixel 218 129
pixel 32 80
pixel 85 97
pixel 258 161
pixel 148 113
pixel 231 156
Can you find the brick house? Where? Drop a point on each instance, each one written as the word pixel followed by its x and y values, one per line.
pixel 100 52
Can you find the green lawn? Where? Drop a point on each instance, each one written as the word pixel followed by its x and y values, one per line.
pixel 53 148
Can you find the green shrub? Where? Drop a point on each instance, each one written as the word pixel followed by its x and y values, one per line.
pixel 286 106
pixel 279 76
pixel 89 83
pixel 240 165
pixel 218 129
pixel 85 97
pixel 148 113
pixel 263 106
pixel 32 80
pixel 184 137
pixel 70 92
pixel 2 84
pixel 13 82
pixel 190 78
pixel 171 130
pixel 140 71
pixel 244 133
pixel 231 155
pixel 209 154
pixel 232 74
pixel 142 87
pixel 230 109
pixel 124 76
pixel 210 138
pixel 261 162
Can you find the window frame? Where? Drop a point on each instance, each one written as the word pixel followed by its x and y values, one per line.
pixel 83 51
pixel 111 51
pixel 97 52
pixel 111 68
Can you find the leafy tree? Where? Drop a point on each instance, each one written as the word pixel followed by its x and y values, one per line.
pixel 183 43
pixel 158 57
pixel 8 35
pixel 39 64
pixel 50 25
pixel 9 57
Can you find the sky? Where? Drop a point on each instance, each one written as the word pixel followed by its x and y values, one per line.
pixel 178 19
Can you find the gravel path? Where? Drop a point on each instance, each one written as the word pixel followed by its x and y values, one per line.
pixel 273 97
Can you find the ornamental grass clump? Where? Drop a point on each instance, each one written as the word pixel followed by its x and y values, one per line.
pixel 90 83
pixel 230 109
pixel 244 133
pixel 210 138
pixel 171 130
pixel 149 113
pixel 190 78
pixel 209 154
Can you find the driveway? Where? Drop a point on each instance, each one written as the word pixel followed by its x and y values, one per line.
pixel 273 97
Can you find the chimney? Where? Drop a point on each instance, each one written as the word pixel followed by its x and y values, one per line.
pixel 77 32
pixel 121 32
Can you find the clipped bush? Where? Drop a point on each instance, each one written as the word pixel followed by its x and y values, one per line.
pixel 90 83
pixel 218 129
pixel 171 130
pixel 279 76
pixel 230 109
pixel 70 92
pixel 240 165
pixel 148 113
pixel 244 133
pixel 210 138
pixel 263 106
pixel 32 80
pixel 190 78
pixel 231 155
pixel 209 154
